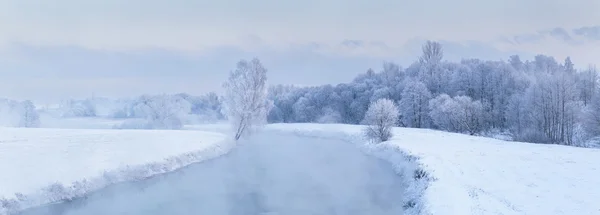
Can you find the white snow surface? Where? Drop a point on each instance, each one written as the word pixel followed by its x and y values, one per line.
pixel 47 165
pixel 471 175
pixel 478 175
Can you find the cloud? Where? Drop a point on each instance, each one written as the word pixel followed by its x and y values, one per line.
pixel 111 47
pixel 576 36
pixel 193 25
pixel 591 33
pixel 54 72
pixel 42 72
pixel 581 44
pixel 561 34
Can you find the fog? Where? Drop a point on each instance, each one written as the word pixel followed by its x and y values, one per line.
pixel 267 174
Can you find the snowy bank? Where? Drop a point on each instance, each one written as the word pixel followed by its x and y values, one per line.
pixel 478 175
pixel 40 166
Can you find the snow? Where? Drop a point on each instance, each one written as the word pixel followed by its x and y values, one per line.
pixel 46 165
pixel 478 175
pixel 465 174
pixel 49 121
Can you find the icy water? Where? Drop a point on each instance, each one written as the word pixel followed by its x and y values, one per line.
pixel 266 174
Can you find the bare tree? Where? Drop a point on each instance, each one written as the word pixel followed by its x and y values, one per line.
pixel 432 53
pixel 591 119
pixel 414 105
pixel 245 102
pixel 588 82
pixel 380 118
pixel 163 111
pixel 430 61
pixel 29 117
pixel 458 114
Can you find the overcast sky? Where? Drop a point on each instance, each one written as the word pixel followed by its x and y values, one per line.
pixel 75 48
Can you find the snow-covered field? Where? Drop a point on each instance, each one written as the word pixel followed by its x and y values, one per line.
pixel 44 165
pixel 78 122
pixel 477 175
pixel 470 175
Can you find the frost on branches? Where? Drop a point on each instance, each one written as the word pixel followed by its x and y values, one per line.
pixel 18 114
pixel 380 118
pixel 459 114
pixel 245 101
pixel 163 111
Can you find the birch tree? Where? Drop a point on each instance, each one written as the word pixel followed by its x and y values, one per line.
pixel 245 102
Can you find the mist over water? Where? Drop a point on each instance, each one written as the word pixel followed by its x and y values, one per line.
pixel 266 174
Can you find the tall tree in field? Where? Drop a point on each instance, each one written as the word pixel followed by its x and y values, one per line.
pixel 245 101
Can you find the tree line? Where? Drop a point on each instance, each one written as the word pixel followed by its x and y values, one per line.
pixel 538 100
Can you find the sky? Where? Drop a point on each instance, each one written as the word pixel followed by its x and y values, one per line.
pixel 58 49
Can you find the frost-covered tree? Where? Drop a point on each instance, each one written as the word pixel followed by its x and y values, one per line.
pixel 591 117
pixel 440 111
pixel 545 64
pixel 516 114
pixel 204 108
pixel 587 84
pixel 459 114
pixel 245 102
pixel 470 115
pixel 430 62
pixel 515 62
pixel 414 105
pixel 550 104
pixel 18 114
pixel 283 98
pixel 166 112
pixel 380 118
pixel 160 112
pixel 78 108
pixel 568 66
pixel 303 110
pixel 432 53
pixel 536 100
pixel 29 117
